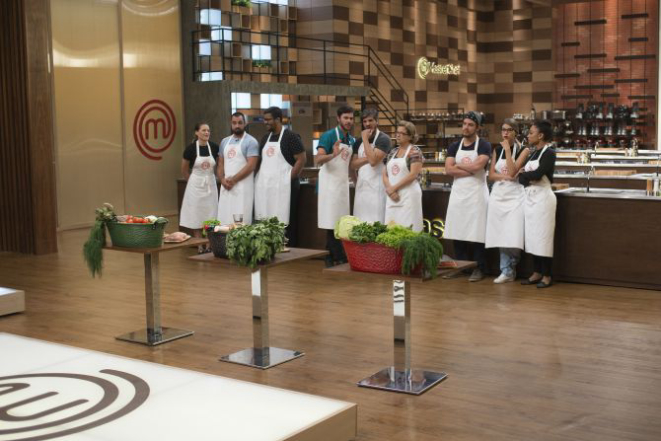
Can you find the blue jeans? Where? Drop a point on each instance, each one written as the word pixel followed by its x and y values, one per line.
pixel 509 257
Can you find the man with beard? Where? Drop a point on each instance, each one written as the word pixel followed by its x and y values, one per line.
pixel 277 185
pixel 237 160
pixel 466 218
pixel 334 156
pixel 369 154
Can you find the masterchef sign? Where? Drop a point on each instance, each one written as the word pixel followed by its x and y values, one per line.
pixel 154 129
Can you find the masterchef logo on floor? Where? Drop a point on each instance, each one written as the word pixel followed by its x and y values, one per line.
pixel 56 405
pixel 154 128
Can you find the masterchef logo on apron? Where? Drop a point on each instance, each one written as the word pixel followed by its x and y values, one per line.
pixel 466 160
pixel 231 153
pixel 270 151
pixel 205 165
pixel 345 154
pixel 395 170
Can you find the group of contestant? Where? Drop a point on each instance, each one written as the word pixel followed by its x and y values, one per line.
pixel 518 214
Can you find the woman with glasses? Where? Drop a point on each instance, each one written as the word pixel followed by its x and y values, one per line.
pixel 505 212
pixel 540 203
pixel 400 178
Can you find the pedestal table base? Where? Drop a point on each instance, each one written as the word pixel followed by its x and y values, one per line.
pixel 411 381
pixel 262 358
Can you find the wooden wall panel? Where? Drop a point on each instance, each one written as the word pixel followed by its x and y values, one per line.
pixel 504 48
pixel 26 161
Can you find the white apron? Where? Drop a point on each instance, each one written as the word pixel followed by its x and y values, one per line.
pixel 369 204
pixel 539 213
pixel 239 199
pixel 333 200
pixel 201 195
pixel 467 210
pixel 273 183
pixel 505 212
pixel 407 211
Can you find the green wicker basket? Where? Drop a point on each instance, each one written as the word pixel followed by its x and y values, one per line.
pixel 136 235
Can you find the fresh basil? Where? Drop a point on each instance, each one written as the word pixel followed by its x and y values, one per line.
pixel 250 245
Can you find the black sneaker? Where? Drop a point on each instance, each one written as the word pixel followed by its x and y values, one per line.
pixel 329 262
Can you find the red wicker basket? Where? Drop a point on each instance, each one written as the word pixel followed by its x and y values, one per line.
pixel 373 257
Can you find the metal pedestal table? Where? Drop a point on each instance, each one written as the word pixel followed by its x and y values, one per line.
pixel 262 355
pixel 401 377
pixel 155 334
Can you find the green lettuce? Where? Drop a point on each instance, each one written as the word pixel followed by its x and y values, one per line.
pixel 344 226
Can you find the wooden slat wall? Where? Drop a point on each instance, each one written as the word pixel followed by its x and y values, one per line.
pixel 27 197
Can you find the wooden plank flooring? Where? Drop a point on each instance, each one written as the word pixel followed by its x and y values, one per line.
pixel 574 362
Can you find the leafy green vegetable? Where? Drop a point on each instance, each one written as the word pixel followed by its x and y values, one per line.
pixel 208 225
pixel 424 250
pixel 93 248
pixel 344 225
pixel 250 245
pixel 366 233
pixel 395 235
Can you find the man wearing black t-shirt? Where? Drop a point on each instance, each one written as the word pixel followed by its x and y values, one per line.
pixel 466 218
pixel 281 151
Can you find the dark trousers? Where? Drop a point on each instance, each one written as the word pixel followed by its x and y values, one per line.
pixel 542 265
pixel 291 232
pixel 462 251
pixel 334 247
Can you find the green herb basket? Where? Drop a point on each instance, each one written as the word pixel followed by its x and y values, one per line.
pixel 136 235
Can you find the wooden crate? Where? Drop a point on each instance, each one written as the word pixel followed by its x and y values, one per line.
pixel 11 301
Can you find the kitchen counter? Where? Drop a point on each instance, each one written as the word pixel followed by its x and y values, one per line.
pixel 601 237
pixel 606 236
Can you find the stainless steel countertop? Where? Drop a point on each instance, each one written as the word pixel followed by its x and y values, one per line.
pixel 636 177
pixel 603 193
pixel 604 164
pixel 607 193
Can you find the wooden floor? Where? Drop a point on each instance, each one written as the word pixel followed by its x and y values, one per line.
pixel 574 362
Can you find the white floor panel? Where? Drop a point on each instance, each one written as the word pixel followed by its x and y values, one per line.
pixel 105 397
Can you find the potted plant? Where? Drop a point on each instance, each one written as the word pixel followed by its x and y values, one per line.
pixel 241 6
pixel 217 235
pixel 251 245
